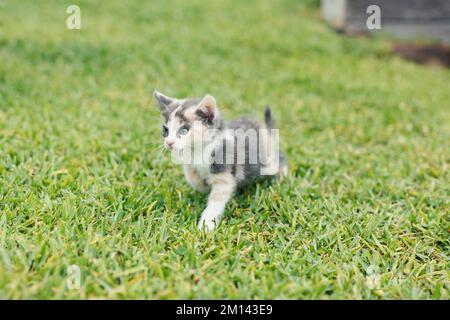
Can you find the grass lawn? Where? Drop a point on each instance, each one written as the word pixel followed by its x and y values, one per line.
pixel 363 214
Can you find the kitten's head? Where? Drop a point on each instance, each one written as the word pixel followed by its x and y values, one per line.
pixel 186 121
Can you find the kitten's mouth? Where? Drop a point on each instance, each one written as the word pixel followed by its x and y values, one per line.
pixel 169 147
pixel 172 149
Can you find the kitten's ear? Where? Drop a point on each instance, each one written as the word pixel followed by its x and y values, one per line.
pixel 163 100
pixel 207 108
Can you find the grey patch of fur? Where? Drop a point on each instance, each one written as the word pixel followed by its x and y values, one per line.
pixel 219 155
pixel 181 106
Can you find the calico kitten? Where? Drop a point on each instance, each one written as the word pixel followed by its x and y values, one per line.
pixel 218 156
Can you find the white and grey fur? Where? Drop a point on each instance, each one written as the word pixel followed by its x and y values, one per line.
pixel 183 119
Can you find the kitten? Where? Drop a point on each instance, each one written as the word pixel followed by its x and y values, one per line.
pixel 218 156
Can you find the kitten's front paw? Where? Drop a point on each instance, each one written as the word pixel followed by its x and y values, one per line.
pixel 207 224
pixel 210 217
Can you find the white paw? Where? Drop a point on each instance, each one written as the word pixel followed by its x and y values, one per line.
pixel 210 217
pixel 207 224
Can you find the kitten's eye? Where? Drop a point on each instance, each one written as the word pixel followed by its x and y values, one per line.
pixel 183 130
pixel 165 131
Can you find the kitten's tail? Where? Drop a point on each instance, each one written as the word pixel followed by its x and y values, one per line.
pixel 268 118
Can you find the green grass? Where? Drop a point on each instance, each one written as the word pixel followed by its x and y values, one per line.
pixel 364 213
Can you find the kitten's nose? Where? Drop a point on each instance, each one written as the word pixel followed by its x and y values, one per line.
pixel 170 143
